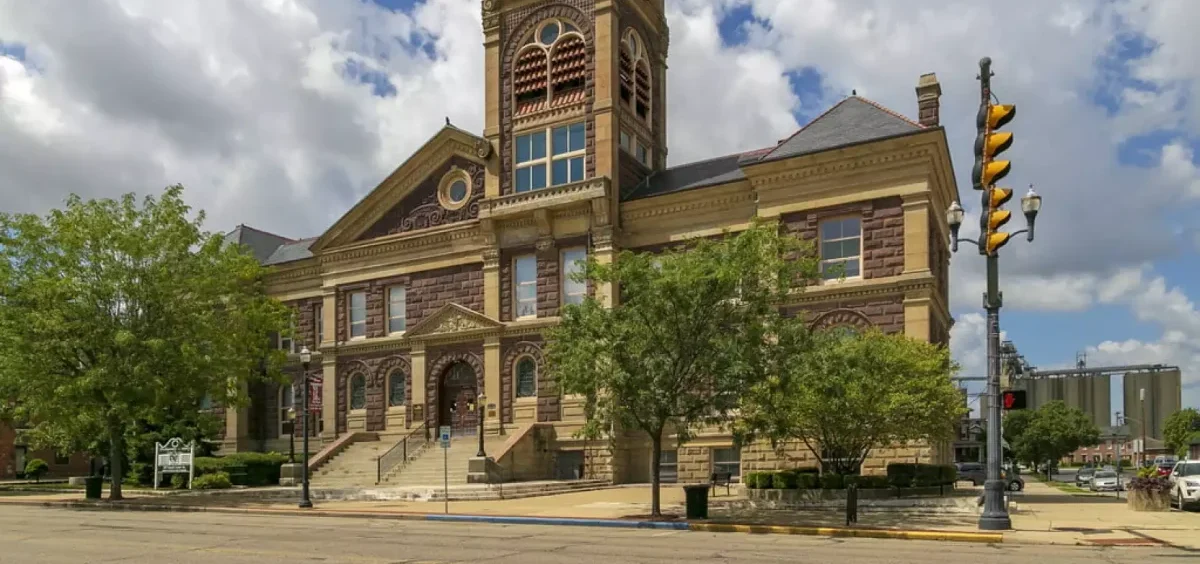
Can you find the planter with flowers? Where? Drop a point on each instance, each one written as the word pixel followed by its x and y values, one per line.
pixel 1149 493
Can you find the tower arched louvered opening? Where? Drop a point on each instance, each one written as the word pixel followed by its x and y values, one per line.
pixel 530 79
pixel 642 80
pixel 626 70
pixel 568 70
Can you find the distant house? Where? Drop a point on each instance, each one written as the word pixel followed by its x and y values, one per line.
pixel 15 453
pixel 1194 450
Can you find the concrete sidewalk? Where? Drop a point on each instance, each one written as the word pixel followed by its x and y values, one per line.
pixel 1042 515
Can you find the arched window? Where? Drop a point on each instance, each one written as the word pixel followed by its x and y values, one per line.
pixel 526 373
pixel 635 74
pixel 358 392
pixel 396 396
pixel 287 401
pixel 551 68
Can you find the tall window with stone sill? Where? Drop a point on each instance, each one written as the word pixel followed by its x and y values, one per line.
pixel 525 287
pixel 358 315
pixel 573 291
pixel 841 248
pixel 397 310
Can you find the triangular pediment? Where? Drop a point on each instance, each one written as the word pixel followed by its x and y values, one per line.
pixel 449 143
pixel 452 318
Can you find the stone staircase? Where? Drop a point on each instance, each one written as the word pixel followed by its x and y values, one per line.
pixel 354 467
pixel 427 468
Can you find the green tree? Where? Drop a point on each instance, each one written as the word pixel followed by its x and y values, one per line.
pixel 842 393
pixel 1180 428
pixel 687 338
pixel 115 314
pixel 1051 432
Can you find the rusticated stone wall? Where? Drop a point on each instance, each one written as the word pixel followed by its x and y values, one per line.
pixel 882 232
pixel 426 292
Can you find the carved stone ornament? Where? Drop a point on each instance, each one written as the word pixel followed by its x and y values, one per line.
pixel 483 147
pixel 842 318
pixel 455 324
pixel 490 17
pixel 431 213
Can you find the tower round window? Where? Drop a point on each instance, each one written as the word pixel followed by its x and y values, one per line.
pixel 549 33
pixel 458 191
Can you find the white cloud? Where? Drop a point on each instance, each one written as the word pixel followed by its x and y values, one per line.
pixel 246 103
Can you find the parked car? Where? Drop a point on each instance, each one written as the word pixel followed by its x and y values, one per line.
pixel 1105 481
pixel 1185 483
pixel 1084 476
pixel 1165 469
pixel 973 472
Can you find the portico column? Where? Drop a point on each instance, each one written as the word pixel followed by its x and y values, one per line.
pixel 329 406
pixel 491 384
pixel 236 425
pixel 418 386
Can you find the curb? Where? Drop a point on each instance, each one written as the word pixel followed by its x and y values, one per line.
pixel 953 536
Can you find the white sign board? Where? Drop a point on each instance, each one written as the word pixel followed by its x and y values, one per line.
pixel 444 435
pixel 174 457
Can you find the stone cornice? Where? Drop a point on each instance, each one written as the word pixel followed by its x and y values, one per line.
pixel 789 177
pixel 309 269
pixel 546 198
pixel 549 116
pixel 863 289
pixel 459 333
pixel 692 204
pixel 412 240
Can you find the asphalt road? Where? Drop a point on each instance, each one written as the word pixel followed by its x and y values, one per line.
pixel 30 535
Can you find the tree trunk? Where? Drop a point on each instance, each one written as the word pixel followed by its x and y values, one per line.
pixel 655 468
pixel 116 446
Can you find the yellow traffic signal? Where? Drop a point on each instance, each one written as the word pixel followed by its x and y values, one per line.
pixel 989 143
pixel 997 115
pixel 996 240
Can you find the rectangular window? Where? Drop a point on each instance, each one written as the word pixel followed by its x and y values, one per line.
pixel 572 263
pixel 643 154
pixel 625 142
pixel 525 286
pixel 668 467
pixel 531 161
pixel 727 460
pixel 319 322
pixel 286 341
pixel 550 157
pixel 397 309
pixel 358 315
pixel 841 245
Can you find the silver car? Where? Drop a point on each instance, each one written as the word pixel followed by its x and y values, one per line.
pixel 1105 481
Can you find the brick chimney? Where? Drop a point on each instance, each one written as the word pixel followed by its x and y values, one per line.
pixel 929 90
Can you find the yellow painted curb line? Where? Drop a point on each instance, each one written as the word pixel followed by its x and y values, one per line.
pixel 843 532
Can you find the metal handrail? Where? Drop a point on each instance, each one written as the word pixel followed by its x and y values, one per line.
pixel 404 450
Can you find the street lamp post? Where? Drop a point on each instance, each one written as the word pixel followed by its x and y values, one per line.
pixel 291 414
pixel 305 359
pixel 995 514
pixel 479 410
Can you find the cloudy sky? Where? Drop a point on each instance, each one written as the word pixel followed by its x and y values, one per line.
pixel 282 113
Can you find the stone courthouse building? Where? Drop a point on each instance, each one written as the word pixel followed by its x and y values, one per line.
pixel 434 290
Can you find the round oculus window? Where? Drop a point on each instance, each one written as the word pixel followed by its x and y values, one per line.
pixel 457 192
pixel 549 33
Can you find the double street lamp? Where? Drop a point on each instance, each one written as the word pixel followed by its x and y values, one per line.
pixel 995 512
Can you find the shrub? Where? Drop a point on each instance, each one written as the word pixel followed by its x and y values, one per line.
pixel 244 468
pixel 872 482
pixel 908 474
pixel 758 480
pixel 785 480
pixel 1148 472
pixel 809 480
pixel 765 480
pixel 1152 485
pixel 178 481
pixel 36 468
pixel 214 481
pixel 832 482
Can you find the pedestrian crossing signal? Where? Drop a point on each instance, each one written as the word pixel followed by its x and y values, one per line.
pixel 1013 399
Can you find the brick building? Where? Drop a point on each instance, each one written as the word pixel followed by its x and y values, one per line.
pixel 436 287
pixel 15 453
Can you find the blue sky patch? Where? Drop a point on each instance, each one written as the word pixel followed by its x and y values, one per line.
pixel 381 85
pixel 12 50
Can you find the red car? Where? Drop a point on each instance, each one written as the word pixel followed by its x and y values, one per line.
pixel 1165 469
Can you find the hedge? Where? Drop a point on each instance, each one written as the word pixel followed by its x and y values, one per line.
pixel 244 468
pixel 810 479
pixel 214 481
pixel 908 474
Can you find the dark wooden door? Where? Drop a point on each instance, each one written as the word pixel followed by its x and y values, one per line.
pixel 456 402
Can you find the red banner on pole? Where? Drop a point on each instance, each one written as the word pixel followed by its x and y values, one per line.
pixel 314 394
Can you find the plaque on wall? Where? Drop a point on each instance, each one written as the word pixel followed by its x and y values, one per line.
pixel 416 410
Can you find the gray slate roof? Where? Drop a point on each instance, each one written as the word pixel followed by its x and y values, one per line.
pixel 261 243
pixel 853 120
pixel 288 252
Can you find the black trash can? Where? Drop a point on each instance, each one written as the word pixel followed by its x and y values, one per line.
pixel 697 501
pixel 92 486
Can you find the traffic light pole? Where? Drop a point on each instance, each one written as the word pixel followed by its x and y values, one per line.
pixel 995 511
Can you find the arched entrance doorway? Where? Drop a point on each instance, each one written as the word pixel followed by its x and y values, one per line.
pixel 456 399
